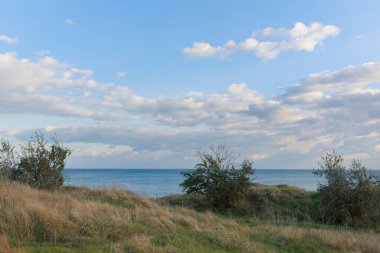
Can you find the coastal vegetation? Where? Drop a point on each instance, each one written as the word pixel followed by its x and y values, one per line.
pixel 75 219
pixel 37 163
pixel 223 210
pixel 218 177
pixel 349 197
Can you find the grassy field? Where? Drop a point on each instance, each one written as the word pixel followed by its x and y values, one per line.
pixel 274 219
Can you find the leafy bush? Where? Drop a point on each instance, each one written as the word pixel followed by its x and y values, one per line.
pixel 219 178
pixel 350 197
pixel 38 164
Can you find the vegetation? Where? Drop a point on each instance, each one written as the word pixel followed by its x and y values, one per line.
pixel 223 182
pixel 8 164
pixel 38 164
pixel 349 197
pixel 280 203
pixel 222 212
pixel 113 220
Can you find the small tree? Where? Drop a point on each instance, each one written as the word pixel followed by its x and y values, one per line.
pixel 38 164
pixel 219 178
pixel 7 160
pixel 348 196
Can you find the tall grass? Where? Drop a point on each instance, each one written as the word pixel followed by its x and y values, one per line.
pixel 114 220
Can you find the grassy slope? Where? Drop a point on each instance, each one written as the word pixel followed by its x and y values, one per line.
pixel 275 203
pixel 83 220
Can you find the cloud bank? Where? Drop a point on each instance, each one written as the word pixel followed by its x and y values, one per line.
pixel 330 109
pixel 268 43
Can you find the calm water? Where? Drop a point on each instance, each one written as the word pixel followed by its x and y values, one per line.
pixel 160 182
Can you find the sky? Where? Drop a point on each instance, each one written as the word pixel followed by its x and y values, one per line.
pixel 148 84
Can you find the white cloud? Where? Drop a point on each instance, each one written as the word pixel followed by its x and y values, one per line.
pixel 50 128
pixel 83 149
pixel 348 81
pixel 7 39
pixel 70 22
pixel 321 96
pixel 121 74
pixel 44 87
pixel 359 156
pixel 268 43
pixel 258 156
pixel 330 109
pixel 202 49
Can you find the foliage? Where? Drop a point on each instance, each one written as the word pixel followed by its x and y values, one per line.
pixel 219 178
pixel 350 197
pixel 278 203
pixel 7 160
pixel 38 164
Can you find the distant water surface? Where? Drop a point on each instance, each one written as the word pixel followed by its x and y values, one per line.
pixel 161 182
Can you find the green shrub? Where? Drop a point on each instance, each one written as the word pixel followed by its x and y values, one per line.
pixel 219 178
pixel 350 197
pixel 38 164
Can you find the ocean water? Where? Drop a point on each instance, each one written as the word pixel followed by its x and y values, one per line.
pixel 161 182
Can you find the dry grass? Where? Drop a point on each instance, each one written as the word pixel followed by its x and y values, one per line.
pixel 339 240
pixel 344 241
pixel 115 220
pixel 4 245
pixel 29 215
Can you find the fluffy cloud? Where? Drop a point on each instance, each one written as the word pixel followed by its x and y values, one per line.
pixel 268 43
pixel 47 86
pixel 202 49
pixel 331 109
pixel 7 39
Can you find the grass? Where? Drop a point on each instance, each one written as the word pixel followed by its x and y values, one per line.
pixel 275 219
pixel 275 203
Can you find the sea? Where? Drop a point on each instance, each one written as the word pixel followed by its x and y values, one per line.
pixel 162 182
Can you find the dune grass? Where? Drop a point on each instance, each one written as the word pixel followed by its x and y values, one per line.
pixel 114 220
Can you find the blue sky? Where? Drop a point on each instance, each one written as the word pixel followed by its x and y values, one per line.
pixel 149 83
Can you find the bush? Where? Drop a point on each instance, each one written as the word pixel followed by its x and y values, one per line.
pixel 350 197
pixel 7 160
pixel 38 163
pixel 223 182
